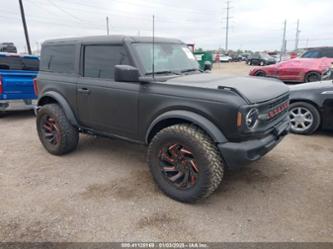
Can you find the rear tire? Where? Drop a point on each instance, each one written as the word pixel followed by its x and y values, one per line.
pixel 304 118
pixel 185 163
pixel 312 77
pixel 55 132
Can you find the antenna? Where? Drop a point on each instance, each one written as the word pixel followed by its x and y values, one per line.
pixel 153 66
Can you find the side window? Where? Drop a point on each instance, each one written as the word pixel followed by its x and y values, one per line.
pixel 58 58
pixel 99 60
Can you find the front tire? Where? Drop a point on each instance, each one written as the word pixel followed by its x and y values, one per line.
pixel 55 132
pixel 185 163
pixel 304 118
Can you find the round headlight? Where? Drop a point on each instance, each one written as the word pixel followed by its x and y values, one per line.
pixel 251 119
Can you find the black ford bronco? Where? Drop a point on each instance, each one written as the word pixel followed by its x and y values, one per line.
pixel 195 124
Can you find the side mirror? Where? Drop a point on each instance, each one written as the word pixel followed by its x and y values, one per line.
pixel 126 73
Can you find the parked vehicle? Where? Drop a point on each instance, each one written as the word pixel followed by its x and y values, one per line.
pixel 8 47
pixel 16 82
pixel 225 58
pixel 261 59
pixel 319 52
pixel 195 124
pixel 311 107
pixel 297 70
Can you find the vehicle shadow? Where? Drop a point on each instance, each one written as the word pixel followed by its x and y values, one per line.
pixel 16 115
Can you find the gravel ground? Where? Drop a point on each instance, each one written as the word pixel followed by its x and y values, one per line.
pixel 104 192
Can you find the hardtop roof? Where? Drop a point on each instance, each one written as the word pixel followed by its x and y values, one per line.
pixel 110 39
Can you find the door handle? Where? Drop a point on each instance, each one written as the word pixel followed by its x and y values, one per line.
pixel 84 90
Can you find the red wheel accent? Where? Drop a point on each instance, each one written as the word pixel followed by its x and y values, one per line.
pixel 51 131
pixel 178 166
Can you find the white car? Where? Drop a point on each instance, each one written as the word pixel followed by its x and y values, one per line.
pixel 225 58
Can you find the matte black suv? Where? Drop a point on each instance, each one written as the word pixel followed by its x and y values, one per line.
pixel 196 124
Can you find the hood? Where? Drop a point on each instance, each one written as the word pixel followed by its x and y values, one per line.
pixel 312 86
pixel 253 89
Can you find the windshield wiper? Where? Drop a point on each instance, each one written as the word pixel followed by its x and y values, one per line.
pixel 164 72
pixel 190 70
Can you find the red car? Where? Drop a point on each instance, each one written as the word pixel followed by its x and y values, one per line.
pixel 297 70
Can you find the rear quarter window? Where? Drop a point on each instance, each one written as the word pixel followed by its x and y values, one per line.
pixel 58 58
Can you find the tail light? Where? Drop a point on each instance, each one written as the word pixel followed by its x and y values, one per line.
pixel 35 86
pixel 1 85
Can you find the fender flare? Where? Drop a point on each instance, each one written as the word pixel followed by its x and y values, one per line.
pixel 63 104
pixel 202 122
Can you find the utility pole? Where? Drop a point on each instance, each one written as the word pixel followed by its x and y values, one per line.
pixel 227 27
pixel 297 35
pixel 107 26
pixel 25 27
pixel 284 42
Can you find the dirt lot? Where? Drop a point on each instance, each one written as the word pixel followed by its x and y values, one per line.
pixel 103 192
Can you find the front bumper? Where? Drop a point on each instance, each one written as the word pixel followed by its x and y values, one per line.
pixel 327 75
pixel 237 155
pixel 17 105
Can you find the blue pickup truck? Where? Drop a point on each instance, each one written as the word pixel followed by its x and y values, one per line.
pixel 17 73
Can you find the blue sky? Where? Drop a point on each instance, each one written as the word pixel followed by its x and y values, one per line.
pixel 255 24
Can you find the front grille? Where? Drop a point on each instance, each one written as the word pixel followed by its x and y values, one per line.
pixel 274 109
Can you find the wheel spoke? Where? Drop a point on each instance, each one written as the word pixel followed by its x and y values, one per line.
pixel 185 181
pixel 176 177
pixel 169 169
pixel 165 157
pixel 194 166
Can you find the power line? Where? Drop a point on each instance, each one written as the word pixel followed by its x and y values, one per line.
pixel 64 11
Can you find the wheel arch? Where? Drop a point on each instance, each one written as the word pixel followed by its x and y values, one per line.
pixel 176 117
pixel 56 98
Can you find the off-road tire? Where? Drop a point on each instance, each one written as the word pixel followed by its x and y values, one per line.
pixel 69 135
pixel 208 157
pixel 316 118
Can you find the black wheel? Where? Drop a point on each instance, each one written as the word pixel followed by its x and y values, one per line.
pixel 262 63
pixel 312 77
pixel 260 74
pixel 55 132
pixel 185 163
pixel 304 118
pixel 250 62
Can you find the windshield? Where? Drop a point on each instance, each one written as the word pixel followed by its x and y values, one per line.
pixel 266 56
pixel 168 57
